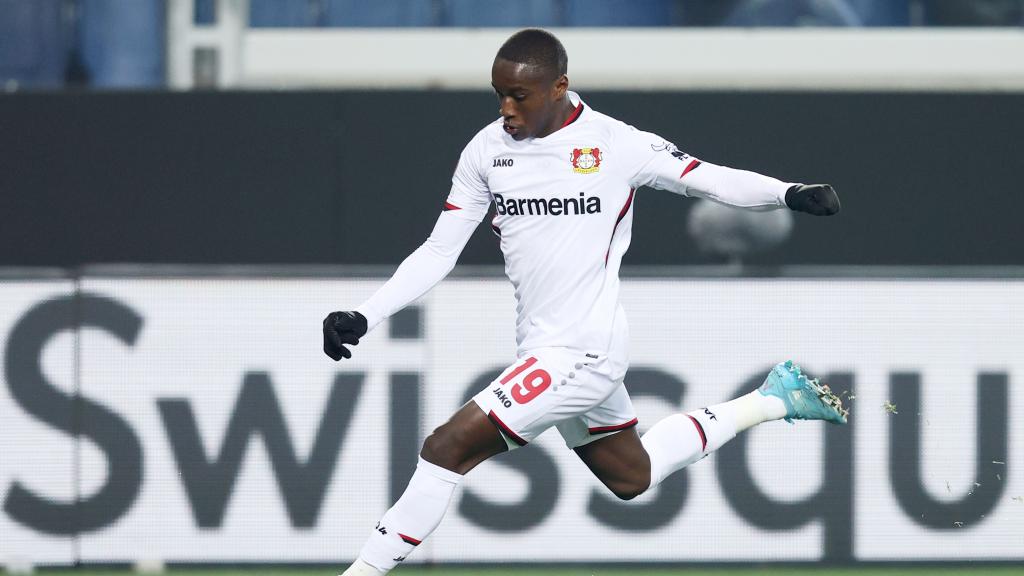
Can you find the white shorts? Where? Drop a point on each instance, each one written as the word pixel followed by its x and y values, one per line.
pixel 547 387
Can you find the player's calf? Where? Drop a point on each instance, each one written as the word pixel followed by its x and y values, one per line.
pixel 406 524
pixel 682 439
pixel 455 448
pixel 620 462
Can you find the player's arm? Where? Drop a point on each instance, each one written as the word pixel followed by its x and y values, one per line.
pixel 417 274
pixel 661 165
pixel 466 206
pixel 753 191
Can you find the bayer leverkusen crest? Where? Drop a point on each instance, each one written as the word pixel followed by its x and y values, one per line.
pixel 585 160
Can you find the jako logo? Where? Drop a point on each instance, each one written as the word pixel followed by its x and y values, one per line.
pixel 502 162
pixel 545 206
pixel 502 397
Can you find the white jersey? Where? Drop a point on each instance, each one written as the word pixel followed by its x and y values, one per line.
pixel 564 212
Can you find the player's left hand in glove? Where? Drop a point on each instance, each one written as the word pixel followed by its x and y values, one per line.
pixel 816 199
pixel 342 328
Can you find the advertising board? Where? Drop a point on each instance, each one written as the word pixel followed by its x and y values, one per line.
pixel 208 425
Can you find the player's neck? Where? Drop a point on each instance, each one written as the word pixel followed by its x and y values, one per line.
pixel 561 120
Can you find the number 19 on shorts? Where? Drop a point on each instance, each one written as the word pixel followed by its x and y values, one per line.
pixel 530 386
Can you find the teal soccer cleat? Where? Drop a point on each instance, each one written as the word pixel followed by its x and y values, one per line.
pixel 805 398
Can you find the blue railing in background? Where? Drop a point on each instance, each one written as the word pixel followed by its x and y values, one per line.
pixel 121 43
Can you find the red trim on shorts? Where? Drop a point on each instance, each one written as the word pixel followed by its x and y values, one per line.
pixel 693 164
pixel 449 206
pixel 700 429
pixel 616 428
pixel 508 431
pixel 574 116
pixel 622 214
pixel 410 539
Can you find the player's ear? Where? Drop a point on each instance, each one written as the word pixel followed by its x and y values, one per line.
pixel 561 86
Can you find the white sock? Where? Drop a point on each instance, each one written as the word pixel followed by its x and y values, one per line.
pixel 416 514
pixel 751 409
pixel 672 443
pixel 682 439
pixel 360 568
pixel 716 425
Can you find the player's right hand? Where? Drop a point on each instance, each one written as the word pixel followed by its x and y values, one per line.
pixel 342 328
pixel 816 199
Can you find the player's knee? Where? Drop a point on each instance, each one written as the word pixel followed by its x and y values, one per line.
pixel 433 450
pixel 627 490
pixel 444 448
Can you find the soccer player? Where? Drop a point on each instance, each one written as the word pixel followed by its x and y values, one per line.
pixel 562 177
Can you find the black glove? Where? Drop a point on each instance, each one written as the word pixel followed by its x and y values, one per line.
pixel 816 199
pixel 342 328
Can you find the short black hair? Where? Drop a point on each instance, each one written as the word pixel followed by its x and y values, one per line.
pixel 536 47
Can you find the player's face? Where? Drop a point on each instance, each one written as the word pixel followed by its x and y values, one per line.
pixel 531 102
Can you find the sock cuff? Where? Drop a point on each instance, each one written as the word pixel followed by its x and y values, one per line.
pixel 718 425
pixel 671 444
pixel 438 472
pixel 363 568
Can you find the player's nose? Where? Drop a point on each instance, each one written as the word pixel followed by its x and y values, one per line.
pixel 507 108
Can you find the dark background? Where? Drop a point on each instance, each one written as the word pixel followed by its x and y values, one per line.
pixel 359 177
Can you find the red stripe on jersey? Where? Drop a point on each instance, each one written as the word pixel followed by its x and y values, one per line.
pixel 572 117
pixel 603 429
pixel 622 214
pixel 449 206
pixel 508 431
pixel 700 430
pixel 693 164
pixel 410 539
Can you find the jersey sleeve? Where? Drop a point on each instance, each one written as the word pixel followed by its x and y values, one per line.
pixel 421 270
pixel 653 161
pixel 470 197
pixel 465 207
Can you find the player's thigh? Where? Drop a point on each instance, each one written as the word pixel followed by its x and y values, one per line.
pixel 465 440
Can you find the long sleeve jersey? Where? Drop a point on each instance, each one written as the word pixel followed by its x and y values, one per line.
pixel 564 213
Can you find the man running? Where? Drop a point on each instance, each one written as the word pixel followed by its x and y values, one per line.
pixel 562 178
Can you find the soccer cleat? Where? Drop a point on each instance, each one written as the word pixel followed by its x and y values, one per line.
pixel 805 398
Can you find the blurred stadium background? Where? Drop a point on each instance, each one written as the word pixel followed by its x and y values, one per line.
pixel 188 186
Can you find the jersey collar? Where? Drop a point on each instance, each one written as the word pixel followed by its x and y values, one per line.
pixel 575 113
pixel 574 98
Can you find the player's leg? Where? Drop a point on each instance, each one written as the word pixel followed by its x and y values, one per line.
pixel 453 449
pixel 512 410
pixel 628 464
pixel 620 462
pixel 468 438
pixel 681 439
